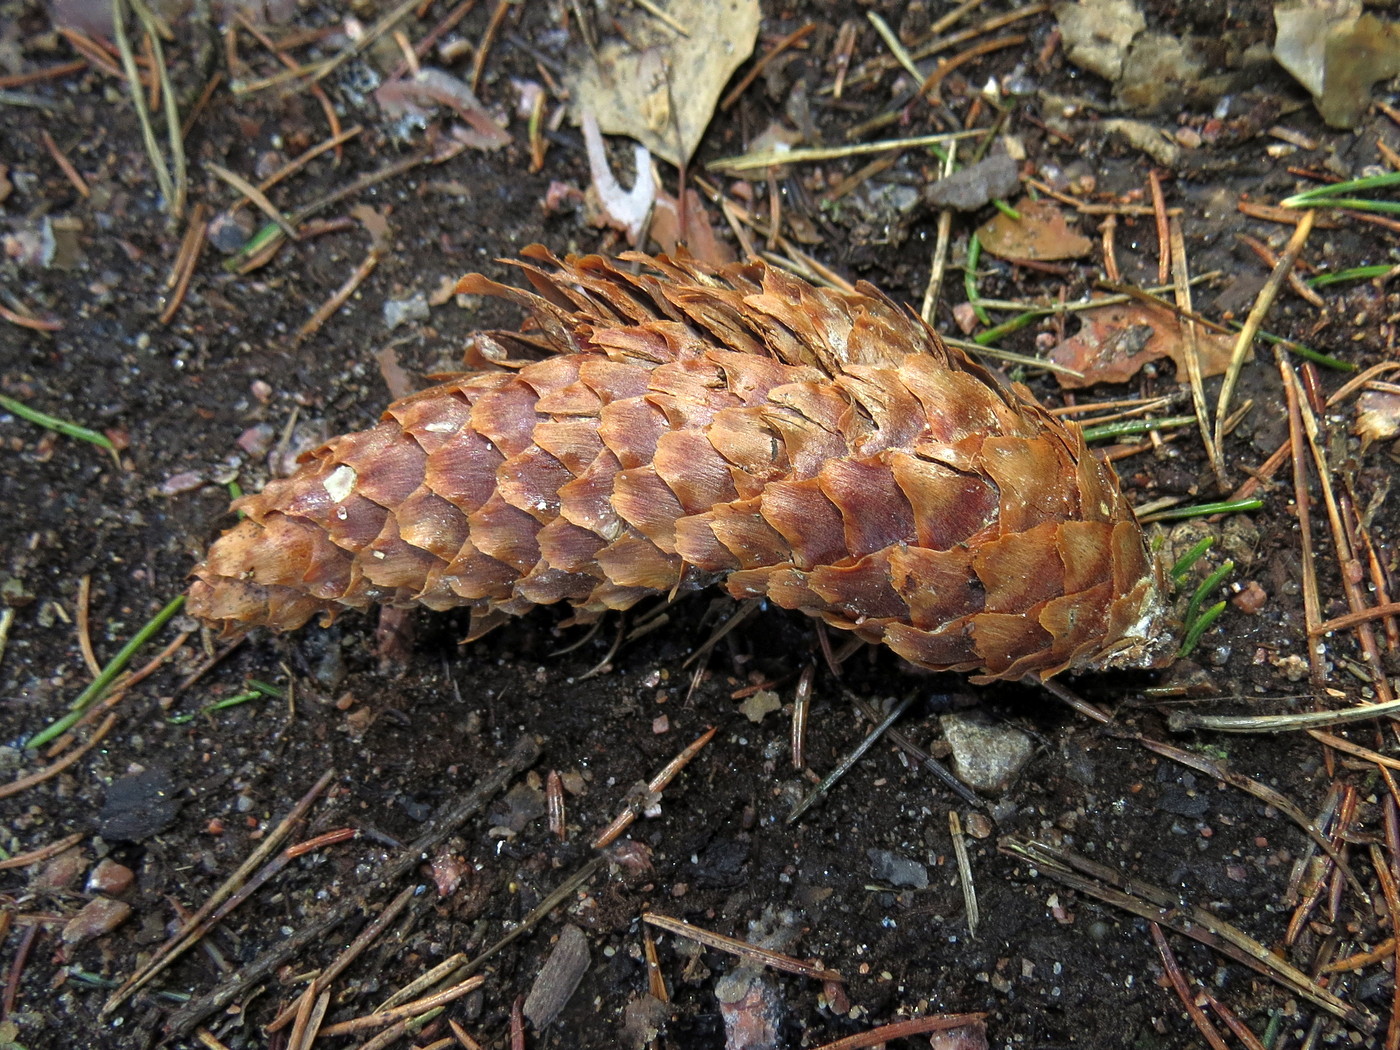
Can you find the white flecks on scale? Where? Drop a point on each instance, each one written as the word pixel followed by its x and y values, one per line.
pixel 340 482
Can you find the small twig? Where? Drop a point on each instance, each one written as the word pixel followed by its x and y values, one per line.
pixel 903 1029
pixel 563 892
pixel 84 625
pixel 1076 702
pixel 656 785
pixel 444 824
pixel 407 1010
pixel 17 964
pixel 184 937
pixel 65 165
pixel 185 262
pixel 929 88
pixel 339 297
pixel 487 39
pixel 1203 1024
pixel 919 755
pixel 743 949
pixel 850 760
pixel 53 849
pixel 791 40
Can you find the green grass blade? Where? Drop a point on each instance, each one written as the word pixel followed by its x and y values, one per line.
pixel 99 686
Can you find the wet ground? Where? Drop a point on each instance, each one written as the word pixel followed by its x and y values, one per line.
pixel 225 391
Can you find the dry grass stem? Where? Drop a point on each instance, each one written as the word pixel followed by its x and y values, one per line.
pixel 447 970
pixel 258 198
pixel 1343 744
pixel 964 862
pixel 1262 304
pixel 767 158
pixel 408 1010
pixel 1181 721
pixel 1174 247
pixel 310 1014
pixel 743 949
pixel 938 264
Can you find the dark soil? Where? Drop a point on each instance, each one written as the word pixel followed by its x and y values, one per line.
pixel 408 728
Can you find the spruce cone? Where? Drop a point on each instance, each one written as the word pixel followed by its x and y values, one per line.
pixel 701 425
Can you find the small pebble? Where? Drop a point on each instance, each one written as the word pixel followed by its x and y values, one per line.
pixel 978 825
pixel 185 481
pixel 402 311
pixel 100 916
pixel 110 878
pixel 897 870
pixel 61 872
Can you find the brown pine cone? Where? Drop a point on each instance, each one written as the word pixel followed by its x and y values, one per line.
pixel 700 425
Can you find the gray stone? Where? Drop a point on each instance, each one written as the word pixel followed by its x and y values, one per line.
pixel 897 869
pixel 987 755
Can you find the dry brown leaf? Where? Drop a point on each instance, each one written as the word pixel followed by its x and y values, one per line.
pixel 1114 343
pixel 1042 233
pixel 660 86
